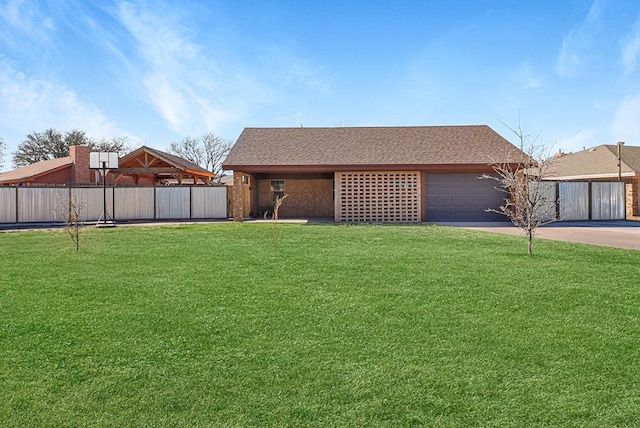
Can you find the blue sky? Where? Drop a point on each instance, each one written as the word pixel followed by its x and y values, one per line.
pixel 158 71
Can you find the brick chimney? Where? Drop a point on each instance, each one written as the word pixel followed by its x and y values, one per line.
pixel 80 172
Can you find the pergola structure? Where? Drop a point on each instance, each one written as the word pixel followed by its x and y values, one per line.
pixel 157 166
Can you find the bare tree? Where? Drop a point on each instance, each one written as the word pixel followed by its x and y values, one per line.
pixel 190 149
pixel 529 203
pixel 69 213
pixel 217 150
pixel 207 151
pixel 274 218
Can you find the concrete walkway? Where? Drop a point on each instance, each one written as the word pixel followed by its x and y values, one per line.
pixel 618 234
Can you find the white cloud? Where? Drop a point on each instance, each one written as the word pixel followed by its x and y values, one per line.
pixel 183 83
pixel 28 103
pixel 626 122
pixel 168 100
pixel 568 60
pixel 25 18
pixel 576 45
pixel 631 50
pixel 527 79
pixel 577 141
pixel 197 85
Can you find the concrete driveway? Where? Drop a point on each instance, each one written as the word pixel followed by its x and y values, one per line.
pixel 618 234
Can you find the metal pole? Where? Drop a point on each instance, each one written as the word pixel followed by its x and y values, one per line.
pixel 104 193
pixel 620 144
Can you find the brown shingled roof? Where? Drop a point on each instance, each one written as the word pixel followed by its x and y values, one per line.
pixel 349 146
pixel 599 161
pixel 35 170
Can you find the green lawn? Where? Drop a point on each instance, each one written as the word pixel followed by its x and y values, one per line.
pixel 203 325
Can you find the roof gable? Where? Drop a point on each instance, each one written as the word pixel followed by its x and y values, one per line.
pixel 135 160
pixel 146 161
pixel 406 146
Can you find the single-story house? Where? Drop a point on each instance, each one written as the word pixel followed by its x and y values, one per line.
pixel 371 174
pixel 72 169
pixel 606 162
pixel 142 167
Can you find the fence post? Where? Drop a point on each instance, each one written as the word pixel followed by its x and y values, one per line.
pixel 191 202
pixel 558 201
pixel 17 209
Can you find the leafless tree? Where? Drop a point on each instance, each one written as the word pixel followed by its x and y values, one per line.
pixel 530 202
pixel 70 213
pixel 274 218
pixel 207 151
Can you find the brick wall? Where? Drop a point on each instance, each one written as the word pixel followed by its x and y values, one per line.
pixel 237 202
pixel 631 190
pixel 307 197
pixel 80 172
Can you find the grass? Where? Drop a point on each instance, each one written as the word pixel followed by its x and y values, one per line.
pixel 203 325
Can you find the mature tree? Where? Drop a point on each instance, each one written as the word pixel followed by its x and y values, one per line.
pixel 113 144
pixel 530 202
pixel 207 151
pixel 75 137
pixel 45 145
pixel 52 144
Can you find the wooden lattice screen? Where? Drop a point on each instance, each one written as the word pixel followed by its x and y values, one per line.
pixel 377 196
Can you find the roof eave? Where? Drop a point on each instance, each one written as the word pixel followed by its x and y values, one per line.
pixel 435 168
pixel 590 176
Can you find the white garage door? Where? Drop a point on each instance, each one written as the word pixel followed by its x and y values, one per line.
pixel 461 197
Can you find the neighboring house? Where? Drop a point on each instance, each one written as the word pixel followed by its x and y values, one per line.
pixel 601 163
pixel 72 169
pixel 142 167
pixel 377 174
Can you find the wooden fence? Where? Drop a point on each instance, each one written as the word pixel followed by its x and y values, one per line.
pixel 39 204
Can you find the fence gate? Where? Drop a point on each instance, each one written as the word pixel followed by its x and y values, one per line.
pixel 597 200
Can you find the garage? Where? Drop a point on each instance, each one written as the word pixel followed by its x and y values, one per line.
pixel 381 174
pixel 461 197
